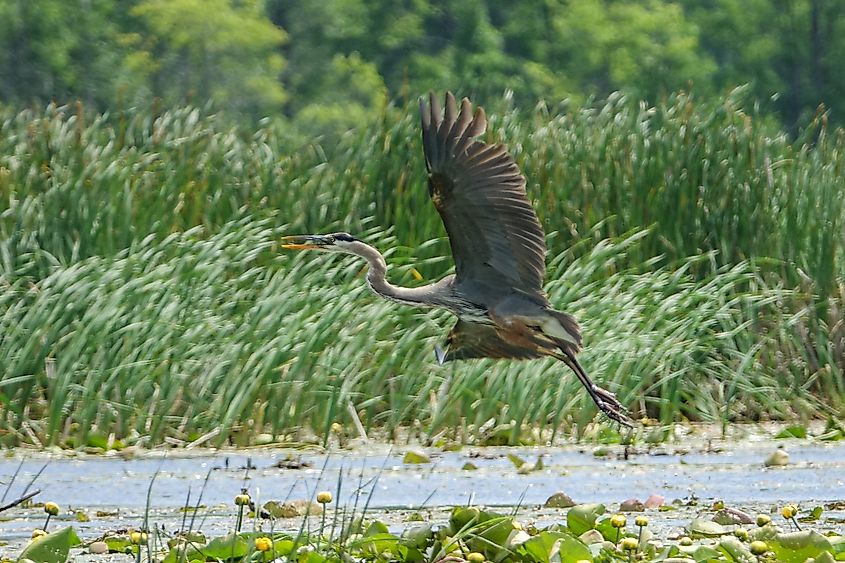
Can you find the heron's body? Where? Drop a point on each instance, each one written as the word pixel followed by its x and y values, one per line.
pixel 498 247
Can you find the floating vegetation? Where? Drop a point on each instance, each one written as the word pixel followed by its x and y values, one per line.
pixel 469 534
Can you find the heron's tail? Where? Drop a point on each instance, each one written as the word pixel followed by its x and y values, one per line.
pixel 570 341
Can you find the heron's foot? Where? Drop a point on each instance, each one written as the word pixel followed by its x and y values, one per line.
pixel 610 406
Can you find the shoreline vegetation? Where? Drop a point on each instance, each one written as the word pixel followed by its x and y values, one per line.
pixel 144 293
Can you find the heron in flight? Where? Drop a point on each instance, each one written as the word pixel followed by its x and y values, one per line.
pixel 499 250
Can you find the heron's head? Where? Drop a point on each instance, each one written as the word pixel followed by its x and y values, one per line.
pixel 335 242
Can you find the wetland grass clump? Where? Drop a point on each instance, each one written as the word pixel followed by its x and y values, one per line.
pixel 144 296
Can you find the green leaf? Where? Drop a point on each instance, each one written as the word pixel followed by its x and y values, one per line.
pixel 181 552
pixel 797 547
pixel 118 543
pixel 546 547
pixel 705 528
pixel 463 516
pixel 814 515
pixel 52 548
pixel 413 457
pixel 379 544
pixel 582 517
pixel 227 547
pixel 705 553
pixel 736 551
pixel 376 527
pixel 516 460
pixel 792 432
pixel 418 536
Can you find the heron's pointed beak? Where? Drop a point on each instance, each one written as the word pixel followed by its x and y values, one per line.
pixel 303 242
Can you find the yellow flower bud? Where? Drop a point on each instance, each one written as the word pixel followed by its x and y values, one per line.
pixel 759 547
pixel 324 497
pixel 336 427
pixel 263 543
pixel 789 511
pixel 629 544
pixel 37 533
pixel 641 521
pixel 763 519
pixel 741 533
pixel 475 557
pixel 618 520
pixel 685 541
pixel 51 508
pixel 242 499
pixel 137 537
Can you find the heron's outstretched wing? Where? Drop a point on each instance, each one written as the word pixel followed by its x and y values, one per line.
pixel 479 192
pixel 474 340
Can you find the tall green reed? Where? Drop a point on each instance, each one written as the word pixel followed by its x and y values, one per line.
pixel 143 294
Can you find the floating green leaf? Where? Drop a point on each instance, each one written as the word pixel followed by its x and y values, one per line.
pixel 413 456
pixel 700 527
pixel 546 547
pixel 227 547
pixel 52 548
pixel 736 551
pixel 582 517
pixel 797 547
pixel 796 431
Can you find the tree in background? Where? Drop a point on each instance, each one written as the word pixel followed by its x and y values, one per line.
pixel 333 64
pixel 193 50
pixel 58 50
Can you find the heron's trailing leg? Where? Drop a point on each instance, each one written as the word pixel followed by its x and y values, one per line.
pixel 604 399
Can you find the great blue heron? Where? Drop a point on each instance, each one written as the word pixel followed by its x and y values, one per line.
pixel 498 246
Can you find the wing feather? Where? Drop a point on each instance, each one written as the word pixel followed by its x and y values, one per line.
pixel 480 194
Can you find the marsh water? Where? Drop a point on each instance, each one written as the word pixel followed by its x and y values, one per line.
pixel 112 491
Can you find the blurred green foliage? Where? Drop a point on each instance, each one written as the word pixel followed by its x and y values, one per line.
pixel 330 66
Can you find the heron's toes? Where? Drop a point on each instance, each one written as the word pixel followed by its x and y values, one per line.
pixel 612 408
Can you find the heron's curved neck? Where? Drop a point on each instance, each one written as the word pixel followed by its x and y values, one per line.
pixel 377 278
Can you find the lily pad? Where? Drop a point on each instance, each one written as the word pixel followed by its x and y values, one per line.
pixel 227 547
pixel 796 547
pixel 52 548
pixel 736 551
pixel 705 528
pixel 728 516
pixel 631 505
pixel 546 547
pixel 583 517
pixel 416 456
pixel 814 515
pixel 292 509
pixel 559 500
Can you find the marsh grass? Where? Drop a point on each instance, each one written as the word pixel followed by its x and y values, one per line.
pixel 144 295
pixel 191 334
